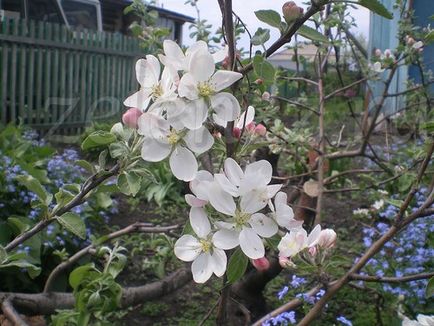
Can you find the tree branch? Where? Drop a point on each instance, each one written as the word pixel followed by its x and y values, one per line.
pixel 48 303
pixel 136 227
pixel 11 314
pixel 406 278
pixel 92 183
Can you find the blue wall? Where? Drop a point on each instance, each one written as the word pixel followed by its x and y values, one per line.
pixel 383 35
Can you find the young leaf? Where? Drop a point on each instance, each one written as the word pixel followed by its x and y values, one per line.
pixel 377 7
pixel 261 36
pixel 73 223
pixel 129 183
pixel 97 139
pixel 264 69
pixel 3 255
pixel 237 266
pixel 312 34
pixel 35 186
pixel 269 17
pixel 79 273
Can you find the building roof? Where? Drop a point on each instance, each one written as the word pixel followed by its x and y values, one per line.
pixel 169 14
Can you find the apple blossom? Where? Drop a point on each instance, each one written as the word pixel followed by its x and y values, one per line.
pixel 207 259
pixel 198 186
pixel 291 11
pixel 260 130
pixel 161 140
pixel 297 240
pixel 151 87
pixel 282 212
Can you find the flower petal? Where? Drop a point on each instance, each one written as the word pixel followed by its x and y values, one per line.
pixel 202 268
pixel 218 262
pixel 261 171
pixel 173 55
pixel 188 87
pixel 253 201
pixel 246 117
pixel 251 244
pixel 224 78
pixel 221 200
pixel 139 100
pixel 187 248
pixel 183 164
pixel 263 225
pixel 233 171
pixel 199 222
pixel 199 140
pixel 220 55
pixel 226 185
pixel 226 107
pixel 313 237
pixel 148 71
pixel 153 126
pixel 201 65
pixel 226 239
pixel 272 190
pixel 193 201
pixel 154 150
pixel 195 114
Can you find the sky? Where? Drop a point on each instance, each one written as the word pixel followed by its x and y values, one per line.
pixel 245 9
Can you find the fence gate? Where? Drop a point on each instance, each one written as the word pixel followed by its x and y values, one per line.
pixel 58 80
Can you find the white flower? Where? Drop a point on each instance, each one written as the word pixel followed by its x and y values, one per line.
pixel 361 211
pixel 252 184
pixel 198 187
pixel 297 240
pixel 207 259
pixel 282 212
pixel 175 57
pixel 202 81
pixel 161 140
pixel 378 204
pixel 377 67
pixel 151 87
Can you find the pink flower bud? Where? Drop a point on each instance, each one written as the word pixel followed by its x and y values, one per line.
pixel 217 134
pixel 266 96
pixel 259 81
pixel 260 130
pixel 378 53
pixel 131 117
pixel 236 132
pixel 261 264
pixel 410 41
pixel 291 11
pixel 251 127
pixel 312 251
pixel 387 53
pixel 327 238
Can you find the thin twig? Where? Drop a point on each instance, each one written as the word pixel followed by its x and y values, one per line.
pixel 402 279
pixel 11 314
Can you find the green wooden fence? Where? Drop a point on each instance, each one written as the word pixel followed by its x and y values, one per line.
pixel 59 80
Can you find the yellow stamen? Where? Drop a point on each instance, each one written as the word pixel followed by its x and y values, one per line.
pixel 173 138
pixel 157 91
pixel 205 89
pixel 206 245
pixel 241 218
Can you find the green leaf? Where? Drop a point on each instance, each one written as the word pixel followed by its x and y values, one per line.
pixel 103 200
pixel 237 266
pixel 118 149
pixel 263 69
pixel 86 165
pixel 312 34
pixel 261 36
pixel 377 7
pixel 269 17
pixel 32 270
pixel 97 139
pixel 63 197
pixel 73 223
pixel 429 292
pixel 18 224
pixel 102 159
pixel 79 273
pixel 35 186
pixel 129 183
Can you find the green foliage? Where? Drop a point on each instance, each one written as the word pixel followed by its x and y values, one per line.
pixel 377 7
pixel 237 266
pixel 270 17
pixel 73 223
pixel 261 36
pixel 312 34
pixel 263 69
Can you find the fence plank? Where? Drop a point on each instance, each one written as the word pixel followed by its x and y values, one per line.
pixel 41 62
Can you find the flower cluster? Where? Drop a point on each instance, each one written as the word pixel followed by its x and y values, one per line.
pixel 176 102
